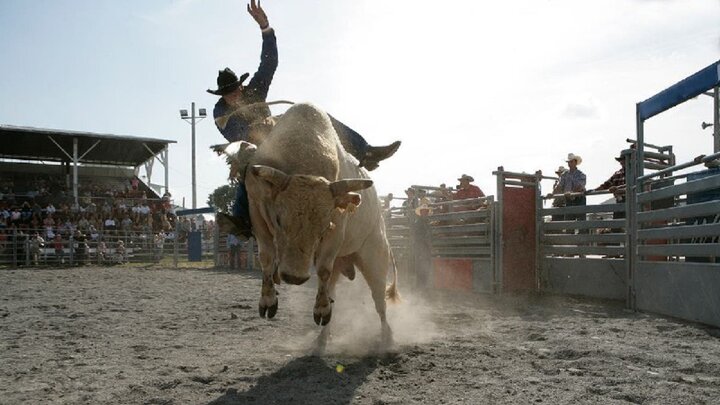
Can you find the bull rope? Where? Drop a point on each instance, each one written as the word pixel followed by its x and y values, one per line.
pixel 222 121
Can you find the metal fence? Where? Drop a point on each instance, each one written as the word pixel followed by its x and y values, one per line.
pixel 32 248
pixel 674 228
pixel 444 244
pixel 29 247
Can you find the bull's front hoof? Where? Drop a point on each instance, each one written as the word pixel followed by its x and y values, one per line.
pixel 268 309
pixel 322 320
pixel 272 310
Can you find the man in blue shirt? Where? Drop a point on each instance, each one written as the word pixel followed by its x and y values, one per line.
pixel 242 115
pixel 572 184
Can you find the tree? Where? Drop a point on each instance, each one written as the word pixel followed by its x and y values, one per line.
pixel 223 197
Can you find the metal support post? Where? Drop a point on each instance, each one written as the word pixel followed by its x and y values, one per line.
pixel 176 242
pixel 539 279
pixel 716 120
pixel 499 231
pixel 75 170
pixel 630 227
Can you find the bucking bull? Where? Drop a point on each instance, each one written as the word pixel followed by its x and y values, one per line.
pixel 305 194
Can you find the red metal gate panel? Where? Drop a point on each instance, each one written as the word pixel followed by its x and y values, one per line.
pixel 518 245
pixel 453 274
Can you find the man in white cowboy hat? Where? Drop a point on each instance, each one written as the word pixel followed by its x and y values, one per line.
pixel 572 184
pixel 241 115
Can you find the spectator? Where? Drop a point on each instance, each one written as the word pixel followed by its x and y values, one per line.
pixel 159 245
pixel 444 194
pixel 120 252
pixel 233 244
pixel 81 249
pixel 572 182
pixel 109 224
pixel 102 252
pixel 387 200
pixel 616 183
pixel 411 203
pixel 465 191
pixel 83 224
pixel 572 185
pixel 93 232
pixel 423 208
pixel 558 201
pixel 59 249
pixel 36 243
pixel 126 225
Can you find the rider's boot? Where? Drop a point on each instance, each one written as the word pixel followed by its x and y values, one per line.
pixel 375 154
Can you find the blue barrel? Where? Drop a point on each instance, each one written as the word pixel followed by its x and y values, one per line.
pixel 194 244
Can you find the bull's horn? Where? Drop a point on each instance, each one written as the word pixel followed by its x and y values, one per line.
pixel 274 176
pixel 341 187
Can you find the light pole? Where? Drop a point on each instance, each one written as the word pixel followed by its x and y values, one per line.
pixel 191 119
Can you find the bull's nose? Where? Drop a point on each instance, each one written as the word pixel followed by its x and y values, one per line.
pixel 293 279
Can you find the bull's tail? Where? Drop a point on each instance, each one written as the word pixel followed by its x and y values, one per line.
pixel 391 293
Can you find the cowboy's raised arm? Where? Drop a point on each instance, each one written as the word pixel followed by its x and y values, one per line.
pixel 259 85
pixel 258 14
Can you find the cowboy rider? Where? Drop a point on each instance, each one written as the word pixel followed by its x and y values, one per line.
pixel 254 121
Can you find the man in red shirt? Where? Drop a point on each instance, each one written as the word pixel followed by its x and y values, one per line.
pixel 466 191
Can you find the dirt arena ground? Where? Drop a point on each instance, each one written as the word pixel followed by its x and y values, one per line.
pixel 160 336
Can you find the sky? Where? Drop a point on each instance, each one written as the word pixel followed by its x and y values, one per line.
pixel 467 86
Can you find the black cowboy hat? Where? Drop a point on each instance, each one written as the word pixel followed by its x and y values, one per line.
pixel 227 82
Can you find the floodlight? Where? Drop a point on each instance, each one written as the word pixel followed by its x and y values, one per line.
pixel 183 114
pixel 202 112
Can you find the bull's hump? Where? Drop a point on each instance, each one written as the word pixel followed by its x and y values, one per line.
pixel 302 142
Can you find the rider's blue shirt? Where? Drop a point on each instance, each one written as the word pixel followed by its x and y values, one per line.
pixel 237 127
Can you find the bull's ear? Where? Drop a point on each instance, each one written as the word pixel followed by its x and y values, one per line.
pixel 341 187
pixel 344 201
pixel 276 177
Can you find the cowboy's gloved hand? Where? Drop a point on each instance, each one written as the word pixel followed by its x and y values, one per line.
pixel 258 14
pixel 239 161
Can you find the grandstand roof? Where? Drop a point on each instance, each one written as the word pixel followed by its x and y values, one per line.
pixel 27 143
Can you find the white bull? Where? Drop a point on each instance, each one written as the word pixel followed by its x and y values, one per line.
pixel 305 194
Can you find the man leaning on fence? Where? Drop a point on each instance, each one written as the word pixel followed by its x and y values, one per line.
pixel 616 185
pixel 466 191
pixel 572 186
